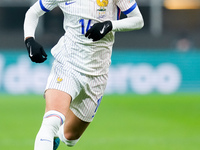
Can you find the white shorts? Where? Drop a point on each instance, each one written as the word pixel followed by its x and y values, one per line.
pixel 86 91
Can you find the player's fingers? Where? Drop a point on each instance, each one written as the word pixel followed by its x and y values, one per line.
pixel 38 58
pixel 90 36
pixel 87 33
pixel 43 52
pixel 41 60
pixel 96 39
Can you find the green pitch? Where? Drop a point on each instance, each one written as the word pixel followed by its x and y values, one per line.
pixel 128 122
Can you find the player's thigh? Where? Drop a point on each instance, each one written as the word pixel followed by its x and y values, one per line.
pixel 57 100
pixel 74 127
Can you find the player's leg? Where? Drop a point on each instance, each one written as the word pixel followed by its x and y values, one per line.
pixel 82 109
pixel 57 100
pixel 72 129
pixel 57 104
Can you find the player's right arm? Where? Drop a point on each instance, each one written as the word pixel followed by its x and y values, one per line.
pixel 35 50
pixel 134 21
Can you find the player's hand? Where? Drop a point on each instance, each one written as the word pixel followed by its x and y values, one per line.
pixel 35 50
pixel 99 30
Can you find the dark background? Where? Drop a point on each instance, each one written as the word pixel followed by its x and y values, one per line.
pixel 176 24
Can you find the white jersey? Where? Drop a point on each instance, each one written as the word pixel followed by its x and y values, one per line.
pixel 74 49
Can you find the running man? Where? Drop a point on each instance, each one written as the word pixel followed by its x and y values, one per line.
pixel 79 74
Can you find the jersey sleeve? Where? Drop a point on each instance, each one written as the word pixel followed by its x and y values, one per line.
pixel 134 20
pixel 126 6
pixel 48 5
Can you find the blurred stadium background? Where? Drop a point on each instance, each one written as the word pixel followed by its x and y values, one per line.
pixel 152 100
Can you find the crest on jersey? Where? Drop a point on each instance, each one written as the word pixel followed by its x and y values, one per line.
pixel 59 80
pixel 102 10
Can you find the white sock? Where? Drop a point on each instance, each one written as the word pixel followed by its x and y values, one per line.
pixel 69 143
pixel 50 125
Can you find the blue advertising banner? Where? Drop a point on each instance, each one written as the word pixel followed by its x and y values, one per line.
pixel 164 71
pixel 140 72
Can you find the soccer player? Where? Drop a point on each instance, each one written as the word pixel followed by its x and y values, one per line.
pixel 79 73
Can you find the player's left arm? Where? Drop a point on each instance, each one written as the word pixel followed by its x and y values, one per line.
pixel 134 21
pixel 35 50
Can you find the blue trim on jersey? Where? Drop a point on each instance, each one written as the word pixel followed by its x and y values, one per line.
pixel 42 7
pixel 98 103
pixel 130 9
pixel 118 13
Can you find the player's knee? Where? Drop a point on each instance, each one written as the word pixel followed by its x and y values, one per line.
pixel 70 139
pixel 72 136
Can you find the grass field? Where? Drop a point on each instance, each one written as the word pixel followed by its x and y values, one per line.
pixel 123 122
